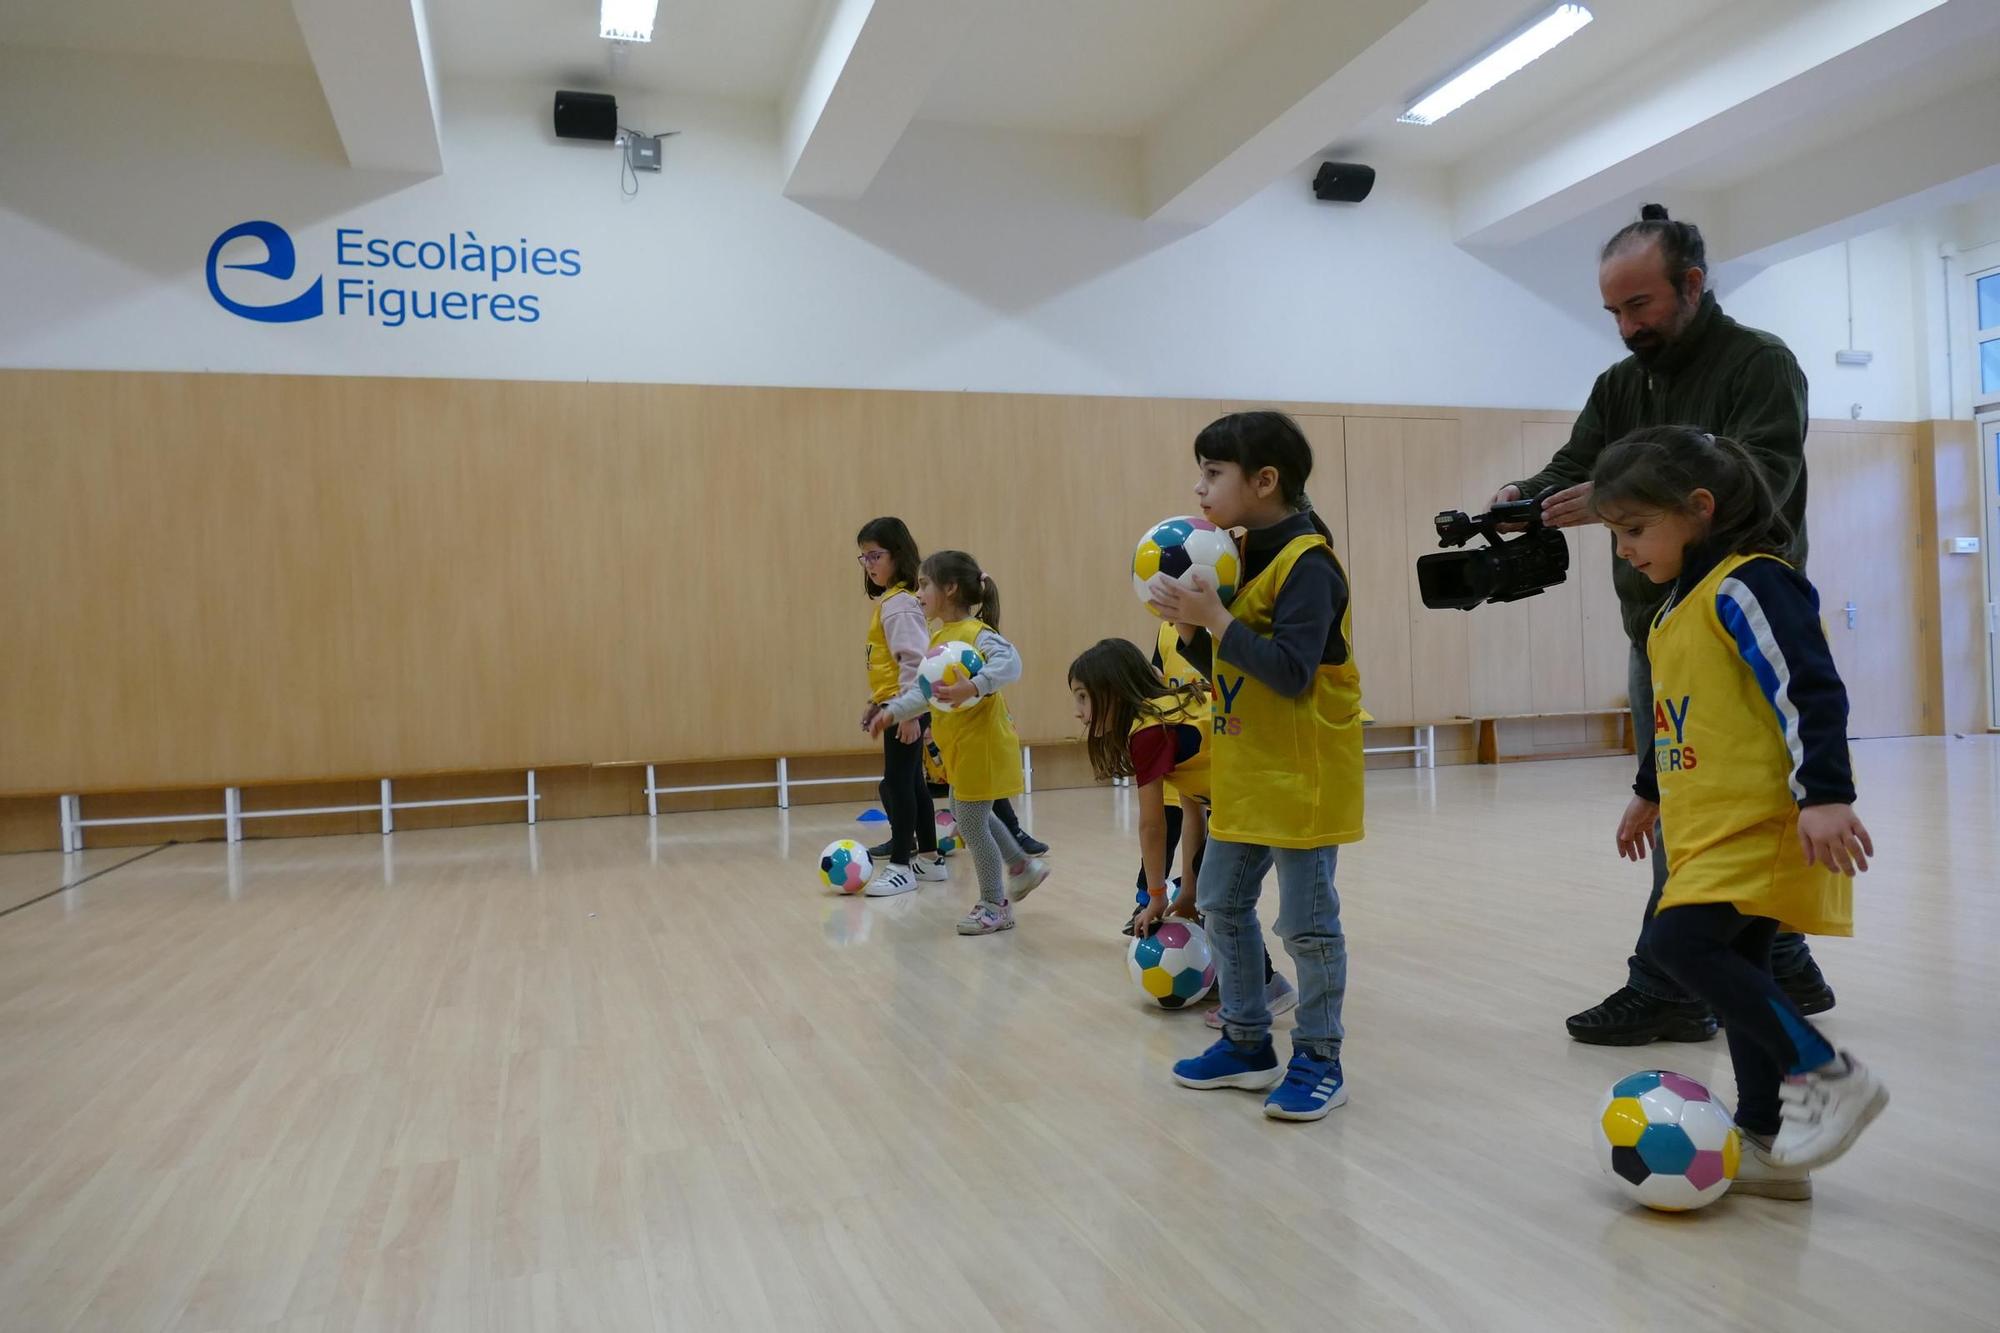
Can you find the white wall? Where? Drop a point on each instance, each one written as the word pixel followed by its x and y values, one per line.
pixel 977 261
pixel 1805 302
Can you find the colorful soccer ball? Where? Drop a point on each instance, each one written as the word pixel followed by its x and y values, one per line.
pixel 1667 1142
pixel 1177 547
pixel 844 866
pixel 1173 964
pixel 950 662
pixel 947 833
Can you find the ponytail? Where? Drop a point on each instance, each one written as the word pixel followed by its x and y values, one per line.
pixel 1319 524
pixel 989 602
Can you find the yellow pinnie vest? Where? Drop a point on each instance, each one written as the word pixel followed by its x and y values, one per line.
pixel 1190 776
pixel 1724 765
pixel 982 751
pixel 1175 666
pixel 885 674
pixel 1286 772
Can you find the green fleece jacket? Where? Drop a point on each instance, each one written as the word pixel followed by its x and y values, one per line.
pixel 1720 377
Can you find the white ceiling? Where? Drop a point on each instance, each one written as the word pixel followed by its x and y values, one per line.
pixel 1104 67
pixel 1868 105
pixel 730 48
pixel 259 31
pixel 1218 98
pixel 1619 46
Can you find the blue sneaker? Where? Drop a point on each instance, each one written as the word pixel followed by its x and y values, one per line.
pixel 1229 1065
pixel 1312 1087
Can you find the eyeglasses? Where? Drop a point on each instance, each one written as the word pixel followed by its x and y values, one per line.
pixel 870 557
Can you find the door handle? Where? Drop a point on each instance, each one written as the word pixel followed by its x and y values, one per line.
pixel 1851 610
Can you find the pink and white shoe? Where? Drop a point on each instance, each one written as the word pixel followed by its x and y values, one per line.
pixel 987 918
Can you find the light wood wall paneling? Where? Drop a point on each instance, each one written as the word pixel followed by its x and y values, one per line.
pixel 1378 520
pixel 1502 678
pixel 272 579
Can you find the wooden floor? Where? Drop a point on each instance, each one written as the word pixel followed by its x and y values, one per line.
pixel 613 1076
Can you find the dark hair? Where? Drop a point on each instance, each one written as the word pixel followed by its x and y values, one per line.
pixel 1661 467
pixel 1123 687
pixel 1258 440
pixel 1681 246
pixel 960 572
pixel 892 536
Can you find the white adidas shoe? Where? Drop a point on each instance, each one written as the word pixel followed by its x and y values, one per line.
pixel 930 869
pixel 891 880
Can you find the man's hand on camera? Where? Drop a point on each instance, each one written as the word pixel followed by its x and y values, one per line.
pixel 1570 508
pixel 1507 495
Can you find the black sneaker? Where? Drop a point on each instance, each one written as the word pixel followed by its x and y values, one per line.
pixel 1808 989
pixel 882 852
pixel 1030 844
pixel 1629 1018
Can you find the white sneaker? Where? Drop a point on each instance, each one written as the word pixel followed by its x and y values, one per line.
pixel 1760 1177
pixel 1022 882
pixel 891 880
pixel 930 869
pixel 1825 1113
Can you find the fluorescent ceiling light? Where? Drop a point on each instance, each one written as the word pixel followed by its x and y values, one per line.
pixel 1510 57
pixel 626 20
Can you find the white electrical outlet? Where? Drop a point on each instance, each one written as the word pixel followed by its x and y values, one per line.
pixel 1965 546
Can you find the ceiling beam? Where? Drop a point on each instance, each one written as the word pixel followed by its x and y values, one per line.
pixel 373 58
pixel 1315 72
pixel 869 70
pixel 1927 159
pixel 1753 72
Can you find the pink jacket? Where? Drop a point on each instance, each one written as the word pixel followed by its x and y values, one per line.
pixel 909 635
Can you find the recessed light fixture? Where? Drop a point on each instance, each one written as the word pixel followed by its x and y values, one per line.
pixel 627 20
pixel 1510 57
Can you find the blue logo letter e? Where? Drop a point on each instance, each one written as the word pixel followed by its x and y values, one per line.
pixel 279 261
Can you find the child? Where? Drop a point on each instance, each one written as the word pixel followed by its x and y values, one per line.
pixel 982 753
pixel 1141 726
pixel 1748 776
pixel 896 644
pixel 1286 773
pixel 1177 670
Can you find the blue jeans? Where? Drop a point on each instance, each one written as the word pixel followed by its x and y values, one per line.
pixel 1789 954
pixel 1232 877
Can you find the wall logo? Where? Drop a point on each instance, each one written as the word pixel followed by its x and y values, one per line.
pixel 279 261
pixel 373 285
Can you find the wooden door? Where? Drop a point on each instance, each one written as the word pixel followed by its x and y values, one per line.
pixel 1862 513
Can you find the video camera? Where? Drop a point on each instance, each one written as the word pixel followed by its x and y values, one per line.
pixel 1506 570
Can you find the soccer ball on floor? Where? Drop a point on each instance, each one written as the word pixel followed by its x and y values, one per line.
pixel 844 866
pixel 1173 964
pixel 948 663
pixel 1177 547
pixel 1667 1142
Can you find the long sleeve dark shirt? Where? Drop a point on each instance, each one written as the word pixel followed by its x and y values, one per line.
pixel 1305 623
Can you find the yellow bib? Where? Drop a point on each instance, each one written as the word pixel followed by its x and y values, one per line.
pixel 1726 804
pixel 1191 775
pixel 1175 666
pixel 885 674
pixel 982 751
pixel 1286 772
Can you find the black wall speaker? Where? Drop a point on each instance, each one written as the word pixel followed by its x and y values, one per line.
pixel 1343 182
pixel 586 116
